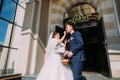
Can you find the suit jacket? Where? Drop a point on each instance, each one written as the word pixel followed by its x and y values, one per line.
pixel 76 47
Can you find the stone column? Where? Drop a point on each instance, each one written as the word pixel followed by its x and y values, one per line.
pixel 33 37
pixel 24 57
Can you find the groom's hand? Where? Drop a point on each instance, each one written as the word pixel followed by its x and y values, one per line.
pixel 70 54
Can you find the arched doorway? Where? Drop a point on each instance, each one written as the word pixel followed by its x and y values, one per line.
pixel 85 20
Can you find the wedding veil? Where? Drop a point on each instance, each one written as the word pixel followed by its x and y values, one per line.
pixel 48 48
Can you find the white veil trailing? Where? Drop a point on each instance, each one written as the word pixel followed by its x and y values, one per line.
pixel 48 48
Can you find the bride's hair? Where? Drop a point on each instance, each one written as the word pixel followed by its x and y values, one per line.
pixel 54 34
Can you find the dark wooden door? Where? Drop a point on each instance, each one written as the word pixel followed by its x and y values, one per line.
pixel 103 50
pixel 59 29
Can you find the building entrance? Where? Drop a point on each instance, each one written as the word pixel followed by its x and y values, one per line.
pixel 90 39
pixel 95 48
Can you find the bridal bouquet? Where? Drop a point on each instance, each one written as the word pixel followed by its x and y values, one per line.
pixel 65 60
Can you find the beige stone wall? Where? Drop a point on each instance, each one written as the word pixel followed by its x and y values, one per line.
pixel 39 57
pixel 43 15
pixel 105 8
pixel 44 20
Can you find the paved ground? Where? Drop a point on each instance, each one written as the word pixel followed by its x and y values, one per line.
pixel 87 76
pixel 97 76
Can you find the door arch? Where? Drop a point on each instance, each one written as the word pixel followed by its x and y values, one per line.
pixel 80 14
pixel 80 5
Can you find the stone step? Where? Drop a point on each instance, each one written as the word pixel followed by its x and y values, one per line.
pixel 29 77
pixel 97 76
pixel 10 77
pixel 86 75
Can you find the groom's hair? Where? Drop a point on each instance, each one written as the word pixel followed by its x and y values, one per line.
pixel 68 23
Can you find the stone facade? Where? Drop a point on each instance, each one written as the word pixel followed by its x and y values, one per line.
pixel 41 16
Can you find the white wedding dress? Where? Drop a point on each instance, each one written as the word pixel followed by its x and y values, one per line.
pixel 53 69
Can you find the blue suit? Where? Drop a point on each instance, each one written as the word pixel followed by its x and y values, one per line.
pixel 76 47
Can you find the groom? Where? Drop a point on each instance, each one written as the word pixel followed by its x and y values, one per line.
pixel 76 53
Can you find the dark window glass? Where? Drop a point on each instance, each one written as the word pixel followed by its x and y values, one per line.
pixel 3 30
pixel 8 10
pixel 15 1
pixel 1 1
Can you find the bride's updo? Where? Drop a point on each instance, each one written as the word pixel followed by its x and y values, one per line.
pixel 54 34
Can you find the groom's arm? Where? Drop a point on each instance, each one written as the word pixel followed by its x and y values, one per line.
pixel 79 43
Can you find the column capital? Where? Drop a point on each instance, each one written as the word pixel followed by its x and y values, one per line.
pixel 32 1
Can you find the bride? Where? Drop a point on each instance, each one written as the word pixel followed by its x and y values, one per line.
pixel 53 69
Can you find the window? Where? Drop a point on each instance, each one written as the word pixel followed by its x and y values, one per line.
pixel 7 13
pixel 10 12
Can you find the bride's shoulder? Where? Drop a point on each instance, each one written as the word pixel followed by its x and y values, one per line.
pixel 54 40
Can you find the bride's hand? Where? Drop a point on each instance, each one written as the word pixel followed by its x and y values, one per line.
pixel 65 54
pixel 65 41
pixel 65 33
